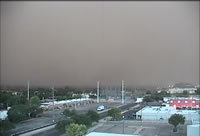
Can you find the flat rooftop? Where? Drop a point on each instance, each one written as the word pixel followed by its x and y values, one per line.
pixel 172 110
pixel 108 134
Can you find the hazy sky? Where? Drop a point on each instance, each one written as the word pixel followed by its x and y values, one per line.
pixel 78 43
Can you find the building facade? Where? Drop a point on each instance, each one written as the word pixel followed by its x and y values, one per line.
pixel 184 103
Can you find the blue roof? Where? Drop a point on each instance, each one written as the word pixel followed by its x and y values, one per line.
pixel 108 134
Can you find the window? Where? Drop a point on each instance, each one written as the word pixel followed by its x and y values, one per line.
pixel 171 101
pixel 193 101
pixel 179 101
pixel 186 101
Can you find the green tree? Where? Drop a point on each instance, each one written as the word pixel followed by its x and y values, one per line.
pixel 76 130
pixel 148 92
pixel 34 111
pixel 60 125
pixel 8 99
pixel 35 101
pixel 198 91
pixel 175 120
pixel 148 99
pixel 93 115
pixel 185 93
pixel 4 97
pixel 34 108
pixel 115 113
pixel 69 113
pixel 5 125
pixel 82 119
pixel 18 113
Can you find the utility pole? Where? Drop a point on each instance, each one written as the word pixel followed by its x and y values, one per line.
pixel 122 91
pixel 97 91
pixel 28 91
pixel 123 124
pixel 53 102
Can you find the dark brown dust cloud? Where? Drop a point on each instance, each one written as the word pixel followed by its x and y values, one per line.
pixel 78 43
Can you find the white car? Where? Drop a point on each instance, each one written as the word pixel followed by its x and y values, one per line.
pixel 100 108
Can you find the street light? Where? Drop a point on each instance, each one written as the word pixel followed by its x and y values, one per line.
pixel 53 104
pixel 123 124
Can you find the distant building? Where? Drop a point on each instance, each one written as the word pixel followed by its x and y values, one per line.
pixel 185 102
pixel 181 90
pixel 139 100
pixel 181 87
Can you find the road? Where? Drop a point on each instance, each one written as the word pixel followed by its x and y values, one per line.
pixel 56 115
pixel 54 132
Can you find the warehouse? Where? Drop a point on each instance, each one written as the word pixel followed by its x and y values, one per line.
pixel 163 113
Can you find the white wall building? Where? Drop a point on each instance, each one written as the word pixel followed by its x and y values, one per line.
pixel 181 90
pixel 3 114
pixel 163 113
pixel 193 130
pixel 139 100
pixel 62 102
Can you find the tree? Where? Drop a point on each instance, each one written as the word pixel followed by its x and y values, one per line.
pixel 115 113
pixel 60 125
pixel 34 108
pixel 18 113
pixel 148 92
pixel 8 99
pixel 185 93
pixel 34 111
pixel 148 99
pixel 175 120
pixel 93 115
pixel 5 125
pixel 198 91
pixel 35 101
pixel 82 119
pixel 69 113
pixel 76 130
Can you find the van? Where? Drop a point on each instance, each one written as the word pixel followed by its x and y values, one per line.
pixel 100 108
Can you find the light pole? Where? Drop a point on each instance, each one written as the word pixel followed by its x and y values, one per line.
pixel 122 91
pixel 97 91
pixel 141 117
pixel 123 124
pixel 53 103
pixel 28 91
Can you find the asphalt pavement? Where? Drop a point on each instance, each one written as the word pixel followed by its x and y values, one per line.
pixel 54 132
pixel 55 115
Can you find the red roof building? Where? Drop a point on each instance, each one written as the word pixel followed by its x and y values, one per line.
pixel 180 103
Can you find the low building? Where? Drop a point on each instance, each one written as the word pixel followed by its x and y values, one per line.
pixel 164 113
pixel 59 104
pixel 181 88
pixel 3 114
pixel 139 100
pixel 193 130
pixel 185 103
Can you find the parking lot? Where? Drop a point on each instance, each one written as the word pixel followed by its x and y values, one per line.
pixel 153 128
